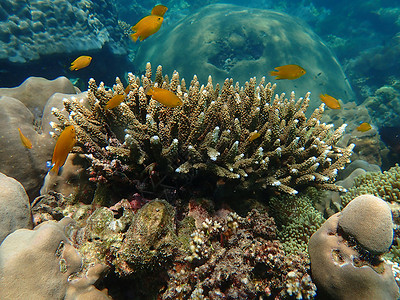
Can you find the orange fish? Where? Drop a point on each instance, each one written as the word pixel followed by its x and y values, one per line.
pixel 127 89
pixel 159 10
pixel 165 97
pixel 25 141
pixel 150 24
pixel 80 63
pixel 146 27
pixel 364 127
pixel 330 101
pixel 114 101
pixel 253 135
pixel 65 142
pixel 288 72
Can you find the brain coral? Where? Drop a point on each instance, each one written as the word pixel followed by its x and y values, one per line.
pixel 228 41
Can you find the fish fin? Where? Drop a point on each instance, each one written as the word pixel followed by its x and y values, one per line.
pixel 134 37
pixel 55 169
pixel 149 91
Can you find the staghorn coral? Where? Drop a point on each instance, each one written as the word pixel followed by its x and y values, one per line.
pixel 385 185
pixel 209 133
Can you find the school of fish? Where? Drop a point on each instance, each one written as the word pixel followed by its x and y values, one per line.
pixel 146 27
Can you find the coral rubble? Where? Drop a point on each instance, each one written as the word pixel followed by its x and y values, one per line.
pixel 212 133
pixel 238 258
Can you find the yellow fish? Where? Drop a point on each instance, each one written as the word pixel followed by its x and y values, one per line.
pixel 25 141
pixel 150 24
pixel 146 27
pixel 80 63
pixel 364 127
pixel 159 10
pixel 253 135
pixel 288 72
pixel 65 142
pixel 165 97
pixel 114 101
pixel 330 101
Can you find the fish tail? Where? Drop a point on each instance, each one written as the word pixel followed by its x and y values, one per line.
pixel 71 68
pixel 273 73
pixel 134 37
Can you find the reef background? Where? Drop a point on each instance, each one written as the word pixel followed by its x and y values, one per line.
pixel 183 202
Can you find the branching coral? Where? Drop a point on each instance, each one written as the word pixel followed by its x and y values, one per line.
pixel 212 132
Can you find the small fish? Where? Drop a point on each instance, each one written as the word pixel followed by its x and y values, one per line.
pixel 127 89
pixel 364 127
pixel 288 72
pixel 253 135
pixel 165 97
pixel 25 141
pixel 80 63
pixel 114 101
pixel 159 10
pixel 330 101
pixel 146 27
pixel 65 142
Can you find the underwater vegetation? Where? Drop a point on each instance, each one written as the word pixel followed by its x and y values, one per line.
pixel 212 133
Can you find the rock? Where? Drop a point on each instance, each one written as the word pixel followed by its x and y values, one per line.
pixel 343 271
pixel 15 211
pixel 150 240
pixel 369 220
pixel 228 41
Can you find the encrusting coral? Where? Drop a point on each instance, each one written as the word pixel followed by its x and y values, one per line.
pixel 238 133
pixel 385 185
pixel 297 220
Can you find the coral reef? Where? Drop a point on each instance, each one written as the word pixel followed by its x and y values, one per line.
pixel 42 264
pixel 230 41
pixel 210 134
pixel 385 185
pixel 60 25
pixel 346 252
pixel 238 258
pixel 150 241
pixel 15 211
pixel 384 104
pixel 297 220
pixel 26 107
pixel 367 144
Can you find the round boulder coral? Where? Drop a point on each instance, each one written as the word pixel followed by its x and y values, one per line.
pixel 369 220
pixel 342 268
pixel 229 41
